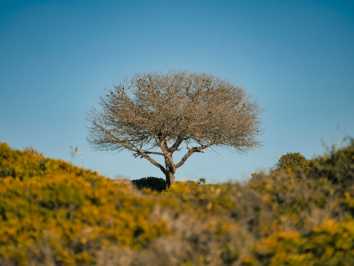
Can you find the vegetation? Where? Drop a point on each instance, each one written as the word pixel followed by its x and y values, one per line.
pixel 299 213
pixel 158 115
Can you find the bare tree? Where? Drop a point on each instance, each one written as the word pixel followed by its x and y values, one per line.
pixel 156 115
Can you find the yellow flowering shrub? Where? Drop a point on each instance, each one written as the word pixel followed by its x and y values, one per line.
pixel 54 213
pixel 330 243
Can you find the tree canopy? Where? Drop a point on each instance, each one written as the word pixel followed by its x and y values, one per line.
pixel 159 114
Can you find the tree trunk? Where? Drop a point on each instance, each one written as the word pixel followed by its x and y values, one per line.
pixel 170 168
pixel 170 178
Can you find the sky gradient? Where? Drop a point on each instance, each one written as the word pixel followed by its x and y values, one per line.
pixel 294 58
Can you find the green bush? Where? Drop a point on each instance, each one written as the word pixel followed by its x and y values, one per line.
pixel 337 165
pixel 293 162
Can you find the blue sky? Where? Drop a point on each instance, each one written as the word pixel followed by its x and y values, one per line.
pixel 295 59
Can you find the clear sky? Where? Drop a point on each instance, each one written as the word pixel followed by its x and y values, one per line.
pixel 295 59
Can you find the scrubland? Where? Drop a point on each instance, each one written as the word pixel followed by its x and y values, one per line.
pixel 298 213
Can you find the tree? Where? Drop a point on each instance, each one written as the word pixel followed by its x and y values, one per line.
pixel 156 115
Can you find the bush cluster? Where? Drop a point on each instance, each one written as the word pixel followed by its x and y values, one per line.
pixel 299 213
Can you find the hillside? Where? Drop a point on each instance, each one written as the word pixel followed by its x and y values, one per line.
pixel 299 213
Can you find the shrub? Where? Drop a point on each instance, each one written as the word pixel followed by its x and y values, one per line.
pixel 53 213
pixel 337 165
pixel 293 163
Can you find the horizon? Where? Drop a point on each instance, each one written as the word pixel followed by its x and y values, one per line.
pixel 294 58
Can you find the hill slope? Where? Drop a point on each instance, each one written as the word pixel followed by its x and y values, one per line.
pixel 300 213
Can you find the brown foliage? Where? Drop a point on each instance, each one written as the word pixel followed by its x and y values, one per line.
pixel 157 115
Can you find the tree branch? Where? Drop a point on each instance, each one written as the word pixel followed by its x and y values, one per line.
pixel 189 154
pixel 144 155
pixel 140 152
pixel 175 146
pixel 149 152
